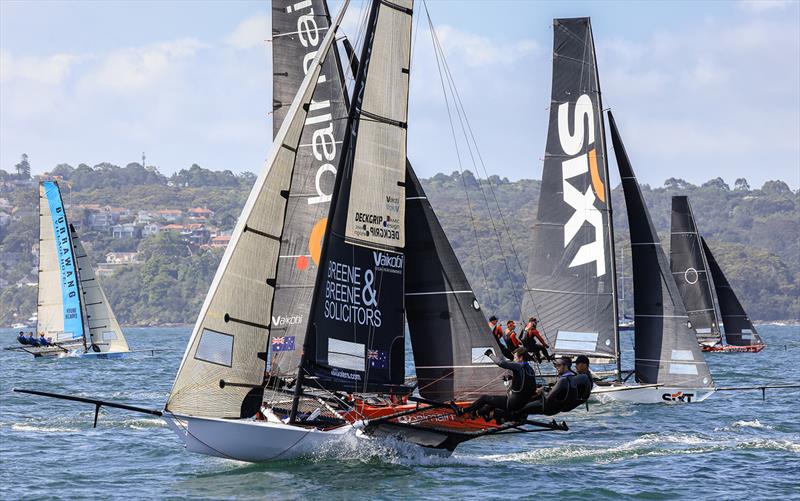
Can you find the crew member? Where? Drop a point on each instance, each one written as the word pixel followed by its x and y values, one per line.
pixel 21 338
pixel 584 380
pixel 42 340
pixel 32 340
pixel 520 391
pixel 561 397
pixel 497 332
pixel 534 342
pixel 511 335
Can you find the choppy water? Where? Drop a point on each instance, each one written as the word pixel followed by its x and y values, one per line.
pixel 733 446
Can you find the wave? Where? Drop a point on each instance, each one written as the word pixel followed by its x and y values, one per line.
pixel 42 429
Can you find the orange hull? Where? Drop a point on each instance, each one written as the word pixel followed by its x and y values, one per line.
pixel 435 418
pixel 755 348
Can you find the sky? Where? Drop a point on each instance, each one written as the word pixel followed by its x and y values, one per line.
pixel 699 89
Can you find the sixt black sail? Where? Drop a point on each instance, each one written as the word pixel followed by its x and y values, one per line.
pixel 355 339
pixel 572 268
pixel 666 349
pixel 448 330
pixel 688 265
pixel 739 330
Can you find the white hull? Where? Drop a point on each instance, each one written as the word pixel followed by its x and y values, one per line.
pixel 651 394
pixel 252 441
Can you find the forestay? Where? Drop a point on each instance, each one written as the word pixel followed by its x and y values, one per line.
pixel 739 330
pixel 59 307
pixel 448 330
pixel 688 265
pixel 355 341
pixel 572 268
pixel 223 369
pixel 105 334
pixel 666 349
pixel 297 31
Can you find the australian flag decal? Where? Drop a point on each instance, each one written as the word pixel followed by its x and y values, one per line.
pixel 283 343
pixel 378 359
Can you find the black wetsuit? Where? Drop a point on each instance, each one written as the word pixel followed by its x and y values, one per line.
pixel 22 339
pixel 538 351
pixel 523 386
pixel 497 332
pixel 562 396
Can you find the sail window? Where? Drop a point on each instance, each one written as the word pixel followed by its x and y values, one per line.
pixel 346 355
pixel 109 336
pixel 569 341
pixel 683 369
pixel 479 357
pixel 682 355
pixel 215 347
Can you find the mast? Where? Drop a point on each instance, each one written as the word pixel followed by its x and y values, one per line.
pixel 610 219
pixel 665 347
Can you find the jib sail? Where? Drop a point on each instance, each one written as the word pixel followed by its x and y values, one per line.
pixel 688 265
pixel 356 336
pixel 105 334
pixel 297 31
pixel 665 347
pixel 58 309
pixel 739 330
pixel 223 369
pixel 448 330
pixel 572 268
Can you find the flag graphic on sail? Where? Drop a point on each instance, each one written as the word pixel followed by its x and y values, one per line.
pixel 359 290
pixel 739 330
pixel 223 368
pixel 689 269
pixel 298 28
pixel 665 347
pixel 59 310
pixel 572 268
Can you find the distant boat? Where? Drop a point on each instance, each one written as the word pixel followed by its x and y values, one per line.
pixel 19 326
pixel 72 308
pixel 740 333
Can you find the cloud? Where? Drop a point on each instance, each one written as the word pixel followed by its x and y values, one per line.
pixel 476 50
pixel 250 33
pixel 134 69
pixel 50 70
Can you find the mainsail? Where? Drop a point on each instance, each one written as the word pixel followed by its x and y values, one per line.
pixel 448 330
pixel 689 269
pixel 297 31
pixel 355 340
pixel 223 369
pixel 572 268
pixel 59 310
pixel 666 349
pixel 739 330
pixel 105 335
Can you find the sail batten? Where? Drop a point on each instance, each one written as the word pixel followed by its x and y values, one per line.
pixel 572 265
pixel 223 351
pixel 665 348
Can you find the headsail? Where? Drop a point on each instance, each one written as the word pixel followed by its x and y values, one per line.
pixel 356 339
pixel 666 349
pixel 739 330
pixel 688 265
pixel 59 310
pixel 572 268
pixel 104 332
pixel 223 369
pixel 448 330
pixel 297 31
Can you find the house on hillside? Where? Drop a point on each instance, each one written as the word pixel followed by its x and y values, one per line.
pixel 122 258
pixel 5 219
pixel 220 241
pixel 127 230
pixel 170 215
pixel 200 214
pixel 151 229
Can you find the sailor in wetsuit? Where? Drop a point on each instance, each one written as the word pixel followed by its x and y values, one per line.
pixel 21 338
pixel 522 387
pixel 497 332
pixel 561 397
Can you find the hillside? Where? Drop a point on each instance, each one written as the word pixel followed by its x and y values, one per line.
pixel 161 238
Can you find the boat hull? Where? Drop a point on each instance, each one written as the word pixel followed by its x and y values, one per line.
pixel 755 348
pixel 250 440
pixel 651 394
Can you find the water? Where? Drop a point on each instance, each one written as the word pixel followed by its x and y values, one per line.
pixel 733 446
